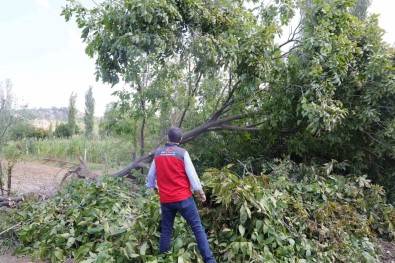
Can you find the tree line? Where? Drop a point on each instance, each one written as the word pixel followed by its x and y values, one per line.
pixel 15 120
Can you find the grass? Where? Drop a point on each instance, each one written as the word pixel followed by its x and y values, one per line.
pixel 108 151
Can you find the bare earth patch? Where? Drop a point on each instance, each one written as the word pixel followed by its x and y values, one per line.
pixel 37 177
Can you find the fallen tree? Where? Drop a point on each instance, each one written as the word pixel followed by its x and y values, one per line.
pixel 9 201
pixel 214 124
pixel 203 49
pixel 298 212
pixel 325 93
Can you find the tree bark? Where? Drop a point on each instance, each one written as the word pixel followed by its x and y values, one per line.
pixel 9 177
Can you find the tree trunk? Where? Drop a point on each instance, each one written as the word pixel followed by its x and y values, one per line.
pixel 9 198
pixel 1 179
pixel 9 177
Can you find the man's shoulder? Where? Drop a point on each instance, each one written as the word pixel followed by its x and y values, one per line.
pixel 170 149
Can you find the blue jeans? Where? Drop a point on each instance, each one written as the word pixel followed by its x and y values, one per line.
pixel 187 209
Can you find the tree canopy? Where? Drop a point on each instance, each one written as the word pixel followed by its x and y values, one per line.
pixel 326 92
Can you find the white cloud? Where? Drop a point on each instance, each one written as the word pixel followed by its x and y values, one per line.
pixel 42 3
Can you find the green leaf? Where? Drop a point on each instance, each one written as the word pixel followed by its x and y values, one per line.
pixel 243 214
pixel 143 249
pixel 106 227
pixel 291 242
pixel 241 230
pixel 70 242
pixel 59 253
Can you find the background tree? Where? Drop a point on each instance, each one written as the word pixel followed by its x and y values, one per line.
pixel 360 9
pixel 9 115
pixel 336 98
pixel 72 118
pixel 24 129
pixel 89 112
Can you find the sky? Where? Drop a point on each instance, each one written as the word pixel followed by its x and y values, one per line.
pixel 44 56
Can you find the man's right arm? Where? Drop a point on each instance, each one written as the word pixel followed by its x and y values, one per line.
pixel 151 177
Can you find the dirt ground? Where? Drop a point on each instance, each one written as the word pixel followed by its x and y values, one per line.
pixel 38 177
pixel 43 177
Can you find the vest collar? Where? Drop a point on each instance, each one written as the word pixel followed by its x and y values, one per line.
pixel 172 144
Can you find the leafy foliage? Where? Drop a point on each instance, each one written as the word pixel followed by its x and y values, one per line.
pixel 335 100
pixel 297 213
pixel 293 213
pixel 8 238
pixel 86 220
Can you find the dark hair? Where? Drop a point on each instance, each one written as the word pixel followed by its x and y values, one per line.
pixel 174 134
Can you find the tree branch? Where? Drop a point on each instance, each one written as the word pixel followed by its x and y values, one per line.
pixel 191 93
pixel 234 128
pixel 292 34
pixel 226 103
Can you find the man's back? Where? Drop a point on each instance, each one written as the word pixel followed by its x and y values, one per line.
pixel 173 182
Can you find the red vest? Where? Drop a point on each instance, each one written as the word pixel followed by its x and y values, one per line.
pixel 172 180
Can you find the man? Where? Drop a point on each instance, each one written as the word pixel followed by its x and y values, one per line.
pixel 173 172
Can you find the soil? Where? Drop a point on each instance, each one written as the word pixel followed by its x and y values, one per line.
pixel 388 252
pixel 38 177
pixel 44 177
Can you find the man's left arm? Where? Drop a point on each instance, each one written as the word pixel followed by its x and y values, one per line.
pixel 193 177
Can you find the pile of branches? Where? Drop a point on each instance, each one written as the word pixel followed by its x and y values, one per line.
pixel 293 213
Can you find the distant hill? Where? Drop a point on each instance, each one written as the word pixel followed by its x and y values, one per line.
pixel 44 117
pixel 50 114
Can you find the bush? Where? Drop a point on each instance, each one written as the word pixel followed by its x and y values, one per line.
pixel 63 130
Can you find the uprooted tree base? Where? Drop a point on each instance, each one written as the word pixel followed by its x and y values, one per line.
pixel 81 171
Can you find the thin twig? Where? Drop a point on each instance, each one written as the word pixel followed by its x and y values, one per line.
pixel 5 231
